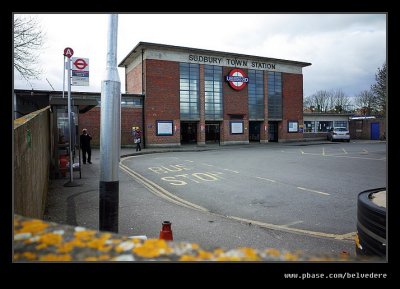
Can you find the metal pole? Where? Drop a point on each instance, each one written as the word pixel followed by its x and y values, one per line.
pixel 63 78
pixel 110 134
pixel 71 182
pixel 71 176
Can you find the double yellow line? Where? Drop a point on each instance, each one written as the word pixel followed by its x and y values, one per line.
pixel 159 191
pixel 163 193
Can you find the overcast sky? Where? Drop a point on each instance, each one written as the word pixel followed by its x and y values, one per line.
pixel 345 49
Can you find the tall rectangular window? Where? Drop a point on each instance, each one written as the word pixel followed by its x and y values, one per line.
pixel 275 95
pixel 256 94
pixel 213 92
pixel 189 91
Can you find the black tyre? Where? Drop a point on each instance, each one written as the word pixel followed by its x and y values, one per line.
pixel 371 225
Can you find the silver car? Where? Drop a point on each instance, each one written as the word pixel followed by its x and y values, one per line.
pixel 338 133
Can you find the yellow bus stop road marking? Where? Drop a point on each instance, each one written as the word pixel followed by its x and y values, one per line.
pixel 163 193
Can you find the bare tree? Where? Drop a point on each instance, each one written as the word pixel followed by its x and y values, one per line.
pixel 322 98
pixel 28 39
pixel 366 101
pixel 379 89
pixel 327 101
pixel 340 101
pixel 318 102
pixel 309 103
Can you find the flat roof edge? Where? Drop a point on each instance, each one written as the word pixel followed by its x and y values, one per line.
pixel 143 45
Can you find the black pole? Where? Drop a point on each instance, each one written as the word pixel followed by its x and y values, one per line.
pixel 143 124
pixel 109 199
pixel 110 134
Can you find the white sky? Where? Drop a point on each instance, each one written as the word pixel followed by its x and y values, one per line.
pixel 345 49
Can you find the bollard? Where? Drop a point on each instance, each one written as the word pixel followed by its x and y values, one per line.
pixel 166 231
pixel 63 165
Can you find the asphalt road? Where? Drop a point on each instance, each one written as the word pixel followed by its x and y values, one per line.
pixel 296 197
pixel 308 190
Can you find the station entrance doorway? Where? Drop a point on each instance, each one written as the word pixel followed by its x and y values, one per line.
pixel 212 132
pixel 273 131
pixel 188 132
pixel 254 131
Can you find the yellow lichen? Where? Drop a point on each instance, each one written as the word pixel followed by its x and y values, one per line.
pixel 104 257
pixel 90 259
pixel 273 252
pixel 195 246
pixel 97 258
pixel 68 246
pixel 29 255
pixel 115 241
pixel 228 258
pixel 84 235
pixel 55 257
pixel 136 240
pixel 204 255
pixel 152 248
pixel 187 258
pixel 218 252
pixel 319 259
pixel 33 226
pixel 100 243
pixel 249 254
pixel 290 257
pixel 49 239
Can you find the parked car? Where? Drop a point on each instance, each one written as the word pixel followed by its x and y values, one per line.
pixel 338 133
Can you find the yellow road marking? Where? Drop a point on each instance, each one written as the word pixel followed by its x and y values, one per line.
pixel 344 151
pixel 356 158
pixel 323 151
pixel 273 181
pixel 345 156
pixel 313 191
pixel 292 223
pixel 161 192
pixel 347 236
pixel 236 172
pixel 300 188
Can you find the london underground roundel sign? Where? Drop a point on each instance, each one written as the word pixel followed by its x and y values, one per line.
pixel 237 79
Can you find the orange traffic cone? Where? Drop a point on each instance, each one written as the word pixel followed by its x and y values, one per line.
pixel 166 232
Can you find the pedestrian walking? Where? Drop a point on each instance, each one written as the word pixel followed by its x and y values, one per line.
pixel 137 138
pixel 85 146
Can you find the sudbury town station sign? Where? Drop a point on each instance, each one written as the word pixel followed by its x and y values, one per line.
pixel 224 61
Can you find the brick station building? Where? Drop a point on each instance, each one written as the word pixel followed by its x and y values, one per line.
pixel 199 96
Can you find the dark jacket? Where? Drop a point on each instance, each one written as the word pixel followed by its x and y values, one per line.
pixel 85 140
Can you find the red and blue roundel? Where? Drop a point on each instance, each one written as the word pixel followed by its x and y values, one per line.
pixel 237 79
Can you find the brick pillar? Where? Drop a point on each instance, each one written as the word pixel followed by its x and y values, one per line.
pixel 201 126
pixel 264 124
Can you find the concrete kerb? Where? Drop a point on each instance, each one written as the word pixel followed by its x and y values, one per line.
pixel 164 151
pixel 190 148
